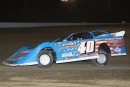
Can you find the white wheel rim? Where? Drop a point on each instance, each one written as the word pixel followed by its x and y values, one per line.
pixel 101 59
pixel 44 59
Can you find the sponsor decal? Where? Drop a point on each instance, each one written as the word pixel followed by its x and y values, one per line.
pixel 112 39
pixel 117 49
pixel 23 53
pixel 57 43
pixel 59 48
pixel 114 34
pixel 109 39
pixel 67 54
pixel 67 58
pixel 69 44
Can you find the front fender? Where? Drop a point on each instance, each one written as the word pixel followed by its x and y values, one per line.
pixel 30 58
pixel 33 55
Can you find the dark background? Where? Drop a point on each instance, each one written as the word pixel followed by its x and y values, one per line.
pixel 90 11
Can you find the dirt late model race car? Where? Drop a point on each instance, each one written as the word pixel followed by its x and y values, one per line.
pixel 89 45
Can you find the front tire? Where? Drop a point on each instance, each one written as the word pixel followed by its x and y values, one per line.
pixel 102 60
pixel 45 59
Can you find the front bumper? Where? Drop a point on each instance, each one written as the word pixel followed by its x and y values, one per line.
pixel 12 63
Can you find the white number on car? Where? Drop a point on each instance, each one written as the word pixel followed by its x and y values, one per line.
pixel 86 47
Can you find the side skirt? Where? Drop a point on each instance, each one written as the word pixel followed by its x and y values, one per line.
pixel 77 59
pixel 122 54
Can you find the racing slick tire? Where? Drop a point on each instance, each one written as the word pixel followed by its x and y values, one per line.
pixel 45 59
pixel 102 60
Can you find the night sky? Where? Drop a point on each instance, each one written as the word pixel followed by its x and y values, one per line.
pixel 90 11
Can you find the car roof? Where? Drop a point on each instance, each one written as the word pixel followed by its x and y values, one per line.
pixel 103 31
pixel 96 33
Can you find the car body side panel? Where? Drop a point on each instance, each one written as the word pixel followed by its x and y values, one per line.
pixel 76 50
pixel 116 45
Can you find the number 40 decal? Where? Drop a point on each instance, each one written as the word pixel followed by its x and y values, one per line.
pixel 86 47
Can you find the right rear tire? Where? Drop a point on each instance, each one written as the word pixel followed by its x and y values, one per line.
pixel 102 60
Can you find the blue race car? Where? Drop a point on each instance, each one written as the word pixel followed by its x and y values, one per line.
pixel 89 45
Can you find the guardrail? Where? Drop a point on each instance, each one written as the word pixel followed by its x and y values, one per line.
pixel 24 25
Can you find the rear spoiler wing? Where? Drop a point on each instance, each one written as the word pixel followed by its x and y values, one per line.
pixel 121 33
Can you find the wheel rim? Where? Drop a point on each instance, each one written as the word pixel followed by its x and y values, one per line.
pixel 101 59
pixel 44 59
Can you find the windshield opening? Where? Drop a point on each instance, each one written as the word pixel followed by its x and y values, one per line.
pixel 60 39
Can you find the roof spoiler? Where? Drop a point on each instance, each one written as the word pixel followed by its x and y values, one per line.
pixel 121 33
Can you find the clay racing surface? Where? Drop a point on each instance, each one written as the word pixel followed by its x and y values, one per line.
pixel 77 74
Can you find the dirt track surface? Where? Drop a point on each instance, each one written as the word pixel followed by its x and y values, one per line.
pixel 77 74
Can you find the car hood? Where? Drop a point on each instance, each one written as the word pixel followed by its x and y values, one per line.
pixel 20 54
